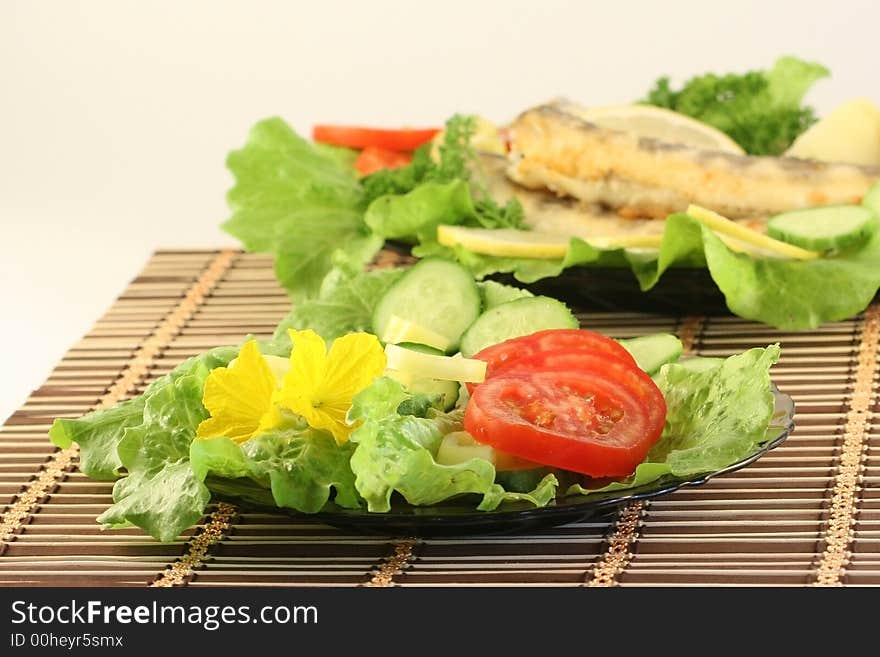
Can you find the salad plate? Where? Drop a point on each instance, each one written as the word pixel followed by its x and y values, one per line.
pixel 458 517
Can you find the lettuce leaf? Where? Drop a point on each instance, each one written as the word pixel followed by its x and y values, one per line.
pixel 395 453
pixel 161 495
pixel 298 201
pixel 786 294
pixel 344 305
pixel 419 212
pixel 716 416
pixel 301 466
pixel 100 432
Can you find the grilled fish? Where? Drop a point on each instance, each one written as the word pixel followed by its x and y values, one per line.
pixel 552 148
pixel 547 212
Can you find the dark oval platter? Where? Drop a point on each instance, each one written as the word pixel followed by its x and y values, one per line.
pixel 461 518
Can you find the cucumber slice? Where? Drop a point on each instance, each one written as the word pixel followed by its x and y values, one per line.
pixel 513 319
pixel 438 294
pixel 494 294
pixel 401 330
pixel 653 351
pixel 422 348
pixel 521 481
pixel 823 229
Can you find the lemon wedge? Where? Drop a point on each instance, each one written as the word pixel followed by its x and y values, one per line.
pixel 746 236
pixel 512 243
pixel 402 330
pixel 443 368
pixel 658 123
pixel 850 133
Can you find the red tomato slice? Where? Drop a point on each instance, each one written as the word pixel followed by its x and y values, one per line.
pixel 502 355
pixel 599 419
pixel 361 137
pixel 373 159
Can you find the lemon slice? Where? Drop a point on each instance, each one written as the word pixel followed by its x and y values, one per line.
pixel 512 243
pixel 444 368
pixel 746 236
pixel 850 133
pixel 658 123
pixel 402 330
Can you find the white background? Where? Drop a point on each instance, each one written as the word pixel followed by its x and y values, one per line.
pixel 116 116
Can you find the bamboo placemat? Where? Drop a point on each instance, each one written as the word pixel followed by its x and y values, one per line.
pixel 806 513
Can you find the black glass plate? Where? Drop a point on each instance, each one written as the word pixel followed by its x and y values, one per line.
pixel 680 290
pixel 459 516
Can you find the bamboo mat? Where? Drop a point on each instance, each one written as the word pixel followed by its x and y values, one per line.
pixel 806 513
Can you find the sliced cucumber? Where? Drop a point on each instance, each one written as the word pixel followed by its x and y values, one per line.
pixel 823 229
pixel 401 330
pixel 521 481
pixel 872 200
pixel 513 319
pixel 653 351
pixel 494 294
pixel 422 348
pixel 448 390
pixel 438 294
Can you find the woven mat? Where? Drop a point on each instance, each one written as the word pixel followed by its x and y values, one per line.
pixel 806 513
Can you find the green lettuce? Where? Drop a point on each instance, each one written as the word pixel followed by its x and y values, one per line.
pixel 305 204
pixel 787 294
pixel 419 212
pixel 301 466
pixel 395 453
pixel 302 203
pixel 160 494
pixel 345 304
pixel 716 416
pixel 100 432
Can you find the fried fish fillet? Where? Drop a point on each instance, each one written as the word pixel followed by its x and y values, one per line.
pixel 547 212
pixel 552 148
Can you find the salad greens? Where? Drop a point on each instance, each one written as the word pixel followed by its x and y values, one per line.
pixel 715 417
pixel 166 476
pixel 787 294
pixel 760 110
pixel 305 204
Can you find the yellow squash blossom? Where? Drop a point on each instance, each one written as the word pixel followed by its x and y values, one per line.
pixel 240 397
pixel 320 384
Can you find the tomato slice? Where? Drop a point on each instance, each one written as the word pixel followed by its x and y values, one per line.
pixel 502 355
pixel 373 159
pixel 599 418
pixel 361 137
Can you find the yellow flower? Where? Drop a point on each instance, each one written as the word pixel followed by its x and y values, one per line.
pixel 240 397
pixel 321 385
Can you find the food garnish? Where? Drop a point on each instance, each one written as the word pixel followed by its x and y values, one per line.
pixel 760 110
